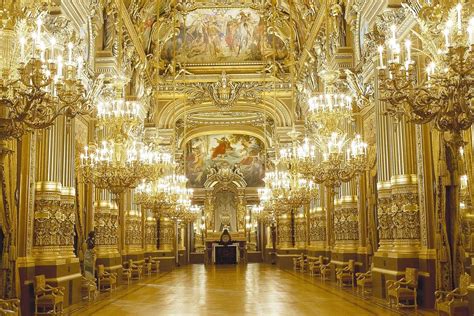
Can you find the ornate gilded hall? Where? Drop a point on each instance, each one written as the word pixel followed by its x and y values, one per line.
pixel 236 157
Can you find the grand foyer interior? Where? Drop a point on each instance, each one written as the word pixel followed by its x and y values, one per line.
pixel 325 142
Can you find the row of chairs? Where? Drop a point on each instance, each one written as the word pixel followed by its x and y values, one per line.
pixel 107 281
pixel 401 292
pixel 316 267
pixel 50 299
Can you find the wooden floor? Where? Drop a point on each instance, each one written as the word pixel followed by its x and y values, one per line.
pixel 255 289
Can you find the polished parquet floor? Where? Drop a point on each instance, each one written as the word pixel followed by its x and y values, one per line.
pixel 254 289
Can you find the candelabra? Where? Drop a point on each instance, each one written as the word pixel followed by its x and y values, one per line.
pixel 445 95
pixel 37 82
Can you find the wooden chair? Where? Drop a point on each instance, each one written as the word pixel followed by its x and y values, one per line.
pixel 155 265
pixel 88 288
pixel 296 262
pixel 147 268
pixel 454 302
pixel 346 274
pixel 106 280
pixel 10 307
pixel 304 264
pixel 126 275
pixel 364 280
pixel 314 267
pixel 403 290
pixel 325 270
pixel 135 269
pixel 48 299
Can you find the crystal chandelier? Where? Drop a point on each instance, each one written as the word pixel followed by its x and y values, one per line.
pixel 289 189
pixel 341 161
pixel 40 75
pixel 178 197
pixel 330 157
pixel 328 109
pixel 122 160
pixel 121 117
pixel 118 166
pixel 445 95
pixel 166 196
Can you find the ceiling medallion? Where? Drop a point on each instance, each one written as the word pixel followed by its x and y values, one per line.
pixel 224 93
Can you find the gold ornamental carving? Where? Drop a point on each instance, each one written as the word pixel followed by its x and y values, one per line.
pixel 284 231
pixel 346 223
pixel 317 226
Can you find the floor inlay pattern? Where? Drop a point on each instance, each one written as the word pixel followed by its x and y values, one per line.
pixel 255 289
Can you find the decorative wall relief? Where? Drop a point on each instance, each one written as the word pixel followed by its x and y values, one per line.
pixel 405 216
pixel 106 227
pixel 398 217
pixel 151 233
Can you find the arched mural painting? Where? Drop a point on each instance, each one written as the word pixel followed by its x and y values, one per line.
pixel 244 153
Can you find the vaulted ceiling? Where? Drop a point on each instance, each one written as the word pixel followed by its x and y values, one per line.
pixel 226 65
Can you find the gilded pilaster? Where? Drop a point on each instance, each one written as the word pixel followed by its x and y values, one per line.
pixel 209 210
pixel 404 211
pixel 346 225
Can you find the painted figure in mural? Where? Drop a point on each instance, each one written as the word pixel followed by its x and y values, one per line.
pixel 243 34
pixel 221 149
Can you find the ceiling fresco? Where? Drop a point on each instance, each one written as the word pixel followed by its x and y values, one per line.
pixel 216 35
